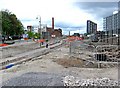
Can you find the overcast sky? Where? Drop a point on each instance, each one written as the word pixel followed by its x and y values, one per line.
pixel 69 15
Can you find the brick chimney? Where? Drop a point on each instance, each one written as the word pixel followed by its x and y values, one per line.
pixel 52 22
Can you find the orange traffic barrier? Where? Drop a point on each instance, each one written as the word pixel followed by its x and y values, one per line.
pixel 73 38
pixel 3 45
pixel 41 40
pixel 25 38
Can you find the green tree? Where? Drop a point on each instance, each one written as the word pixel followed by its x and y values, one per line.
pixel 33 35
pixel 37 35
pixel 30 34
pixel 10 24
pixel 85 34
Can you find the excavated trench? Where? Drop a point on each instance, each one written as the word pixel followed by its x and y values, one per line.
pixel 81 63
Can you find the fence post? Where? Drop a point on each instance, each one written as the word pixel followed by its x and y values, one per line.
pixel 70 48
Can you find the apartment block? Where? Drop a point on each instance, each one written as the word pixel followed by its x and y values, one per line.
pixel 91 27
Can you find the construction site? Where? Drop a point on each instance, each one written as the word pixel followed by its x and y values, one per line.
pixel 50 58
pixel 66 62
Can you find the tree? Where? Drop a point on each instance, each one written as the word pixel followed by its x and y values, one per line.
pixel 10 24
pixel 85 34
pixel 37 35
pixel 33 35
pixel 30 34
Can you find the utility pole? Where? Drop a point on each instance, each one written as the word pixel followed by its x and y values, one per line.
pixel 39 30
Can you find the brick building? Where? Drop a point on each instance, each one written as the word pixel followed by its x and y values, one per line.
pixel 51 32
pixel 29 28
pixel 56 33
pixel 47 32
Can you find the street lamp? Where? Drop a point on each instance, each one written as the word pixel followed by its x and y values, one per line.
pixel 39 30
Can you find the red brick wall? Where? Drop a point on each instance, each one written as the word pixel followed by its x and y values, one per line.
pixel 57 33
pixel 50 30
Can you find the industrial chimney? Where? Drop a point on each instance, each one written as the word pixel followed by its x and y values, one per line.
pixel 52 22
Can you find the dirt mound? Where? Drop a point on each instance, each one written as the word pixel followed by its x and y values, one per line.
pixel 70 62
pixel 73 62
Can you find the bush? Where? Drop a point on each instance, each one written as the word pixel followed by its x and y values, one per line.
pixel 33 35
pixel 30 34
pixel 36 35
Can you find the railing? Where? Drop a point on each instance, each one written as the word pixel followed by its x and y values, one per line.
pixel 110 41
pixel 100 53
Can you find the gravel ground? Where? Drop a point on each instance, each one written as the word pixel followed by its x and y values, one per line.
pixel 36 79
pixel 45 71
pixel 74 81
pixel 17 49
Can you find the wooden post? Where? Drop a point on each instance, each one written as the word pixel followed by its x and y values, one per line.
pixel 99 65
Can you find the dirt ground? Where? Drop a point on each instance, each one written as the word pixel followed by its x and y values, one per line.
pixel 59 62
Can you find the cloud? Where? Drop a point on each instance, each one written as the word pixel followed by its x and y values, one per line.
pixel 66 25
pixel 73 29
pixel 69 14
pixel 91 5
pixel 100 9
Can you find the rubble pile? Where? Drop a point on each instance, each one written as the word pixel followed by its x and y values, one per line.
pixel 118 55
pixel 72 81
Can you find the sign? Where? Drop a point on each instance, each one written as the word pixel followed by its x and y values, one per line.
pixel 53 36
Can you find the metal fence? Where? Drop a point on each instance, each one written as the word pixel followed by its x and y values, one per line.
pixel 77 46
pixel 97 53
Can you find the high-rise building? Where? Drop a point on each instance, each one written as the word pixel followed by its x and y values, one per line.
pixel 119 24
pixel 110 24
pixel 91 27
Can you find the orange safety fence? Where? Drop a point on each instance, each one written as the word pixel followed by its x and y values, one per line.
pixel 73 38
pixel 41 40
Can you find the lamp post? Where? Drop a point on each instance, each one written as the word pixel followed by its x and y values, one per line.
pixel 39 30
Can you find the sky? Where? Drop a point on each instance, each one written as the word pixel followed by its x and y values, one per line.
pixel 69 15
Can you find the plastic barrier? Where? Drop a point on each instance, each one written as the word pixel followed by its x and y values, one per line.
pixel 25 38
pixel 3 45
pixel 9 66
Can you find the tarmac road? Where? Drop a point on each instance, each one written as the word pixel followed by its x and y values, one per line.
pixel 36 79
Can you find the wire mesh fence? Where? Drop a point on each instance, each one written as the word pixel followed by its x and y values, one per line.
pixel 96 53
pixel 78 46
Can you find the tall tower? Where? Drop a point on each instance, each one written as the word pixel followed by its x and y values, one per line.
pixel 69 33
pixel 52 22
